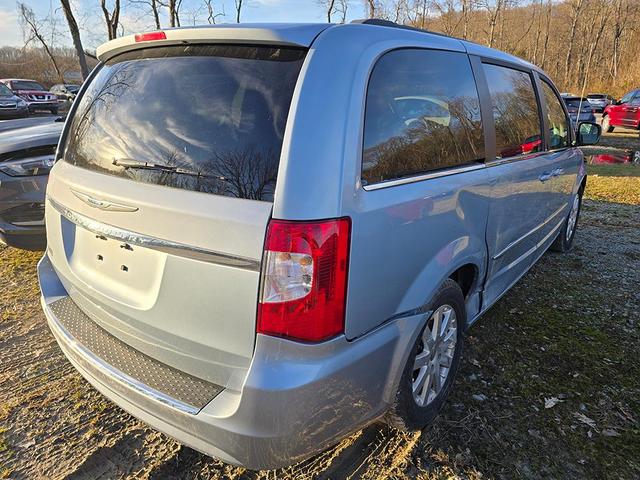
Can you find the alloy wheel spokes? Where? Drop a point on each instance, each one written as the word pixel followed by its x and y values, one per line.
pixel 435 355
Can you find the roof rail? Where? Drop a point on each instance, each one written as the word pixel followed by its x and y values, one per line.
pixel 388 23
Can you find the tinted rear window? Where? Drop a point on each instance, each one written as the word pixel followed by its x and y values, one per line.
pixel 204 118
pixel 422 114
pixel 515 111
pixel 576 102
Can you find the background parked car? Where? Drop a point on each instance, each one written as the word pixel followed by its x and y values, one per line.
pixel 65 91
pixel 36 96
pixel 26 156
pixel 625 113
pixel 11 105
pixel 599 101
pixel 579 110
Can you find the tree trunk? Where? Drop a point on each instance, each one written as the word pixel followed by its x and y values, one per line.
pixel 156 16
pixel 111 18
pixel 75 35
pixel 545 46
pixel 238 4
pixel 576 8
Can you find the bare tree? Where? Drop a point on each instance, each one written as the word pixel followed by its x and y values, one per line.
pixel 576 10
pixel 75 35
pixel 372 8
pixel 341 8
pixel 173 11
pixel 494 10
pixel 211 12
pixel 154 6
pixel 328 6
pixel 33 31
pixel 620 19
pixel 418 13
pixel 238 5
pixel 111 18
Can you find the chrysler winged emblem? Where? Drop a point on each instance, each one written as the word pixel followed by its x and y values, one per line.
pixel 103 204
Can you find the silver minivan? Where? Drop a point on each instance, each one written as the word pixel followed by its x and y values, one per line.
pixel 262 238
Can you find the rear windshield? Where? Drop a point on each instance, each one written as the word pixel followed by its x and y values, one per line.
pixel 577 102
pixel 206 118
pixel 26 85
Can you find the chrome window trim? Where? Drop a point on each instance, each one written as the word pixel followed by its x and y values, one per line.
pixel 516 158
pixel 162 245
pixel 427 176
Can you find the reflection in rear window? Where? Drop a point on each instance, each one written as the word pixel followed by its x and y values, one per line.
pixel 205 118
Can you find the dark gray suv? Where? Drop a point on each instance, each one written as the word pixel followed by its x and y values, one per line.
pixel 26 156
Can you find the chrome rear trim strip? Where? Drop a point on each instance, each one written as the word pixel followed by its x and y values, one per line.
pixel 146 241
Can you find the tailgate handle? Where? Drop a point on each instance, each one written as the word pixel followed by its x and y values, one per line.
pixel 167 246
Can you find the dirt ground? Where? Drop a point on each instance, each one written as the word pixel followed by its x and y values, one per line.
pixel 549 385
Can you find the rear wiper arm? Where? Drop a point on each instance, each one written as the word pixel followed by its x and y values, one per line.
pixel 128 163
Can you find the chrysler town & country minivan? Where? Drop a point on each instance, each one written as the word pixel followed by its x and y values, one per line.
pixel 262 238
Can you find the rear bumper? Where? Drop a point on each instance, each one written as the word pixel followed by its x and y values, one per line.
pixel 297 399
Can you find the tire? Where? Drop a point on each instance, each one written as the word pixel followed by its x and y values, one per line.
pixel 564 241
pixel 406 413
pixel 605 124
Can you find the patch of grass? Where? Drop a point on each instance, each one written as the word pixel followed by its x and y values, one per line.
pixel 614 183
pixel 4 446
pixel 614 189
pixel 614 170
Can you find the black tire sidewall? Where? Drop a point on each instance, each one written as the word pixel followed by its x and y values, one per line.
pixel 415 417
pixel 564 244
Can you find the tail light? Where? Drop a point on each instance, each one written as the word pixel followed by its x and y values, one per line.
pixel 304 279
pixel 150 36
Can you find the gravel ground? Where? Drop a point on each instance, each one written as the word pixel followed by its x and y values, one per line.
pixel 549 386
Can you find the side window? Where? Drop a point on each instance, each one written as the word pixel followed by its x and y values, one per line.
pixel 422 114
pixel 558 122
pixel 627 98
pixel 515 111
pixel 636 100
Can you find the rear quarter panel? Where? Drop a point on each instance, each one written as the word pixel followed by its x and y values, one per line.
pixel 406 239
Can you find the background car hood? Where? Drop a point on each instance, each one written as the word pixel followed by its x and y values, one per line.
pixel 29 137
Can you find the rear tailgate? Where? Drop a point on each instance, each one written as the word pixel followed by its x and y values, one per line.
pixel 157 214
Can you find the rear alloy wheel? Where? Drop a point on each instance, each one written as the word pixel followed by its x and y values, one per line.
pixel 432 364
pixel 606 127
pixel 564 241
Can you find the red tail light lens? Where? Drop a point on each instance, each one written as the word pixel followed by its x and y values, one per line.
pixel 150 36
pixel 304 279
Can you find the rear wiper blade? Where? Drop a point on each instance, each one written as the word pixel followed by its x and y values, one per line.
pixel 128 163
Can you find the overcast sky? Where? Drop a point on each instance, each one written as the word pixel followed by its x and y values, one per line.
pixel 135 18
